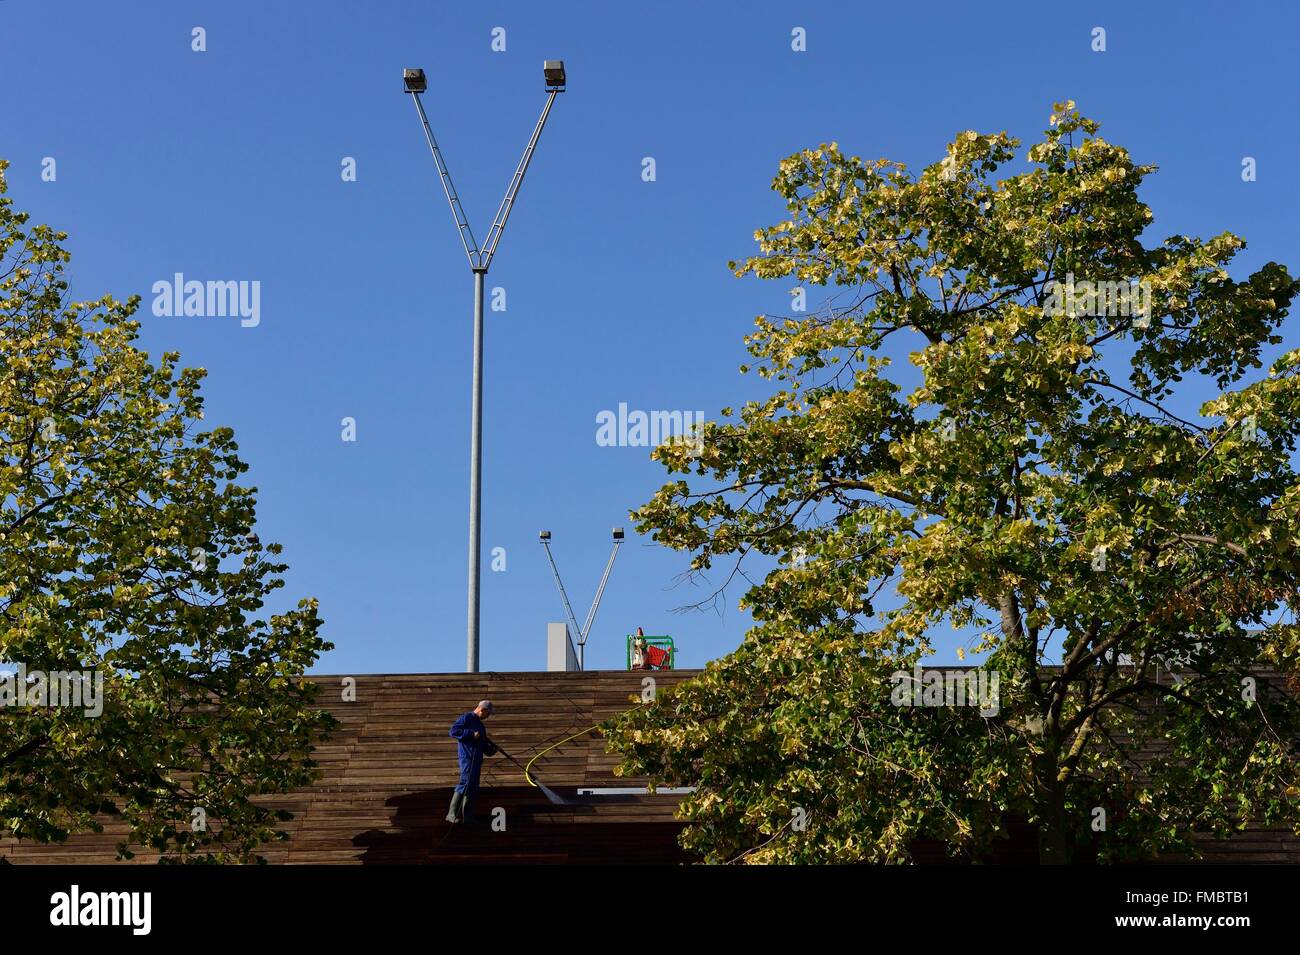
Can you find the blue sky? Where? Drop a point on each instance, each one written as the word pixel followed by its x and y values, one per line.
pixel 225 164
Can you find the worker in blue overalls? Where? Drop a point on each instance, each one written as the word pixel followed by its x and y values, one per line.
pixel 473 746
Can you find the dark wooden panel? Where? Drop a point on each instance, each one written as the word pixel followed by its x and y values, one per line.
pixel 386 776
pixel 387 773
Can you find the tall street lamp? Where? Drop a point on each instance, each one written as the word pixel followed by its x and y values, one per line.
pixel 479 260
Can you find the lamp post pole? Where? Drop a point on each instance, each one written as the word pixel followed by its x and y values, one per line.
pixel 479 262
pixel 475 476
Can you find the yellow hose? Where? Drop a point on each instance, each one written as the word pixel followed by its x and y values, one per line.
pixel 543 752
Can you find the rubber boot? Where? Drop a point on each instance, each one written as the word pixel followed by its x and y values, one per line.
pixel 455 814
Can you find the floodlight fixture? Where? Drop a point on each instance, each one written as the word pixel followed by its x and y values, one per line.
pixel 553 70
pixel 618 533
pixel 414 80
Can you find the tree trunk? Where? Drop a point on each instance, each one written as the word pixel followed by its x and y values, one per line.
pixel 1054 844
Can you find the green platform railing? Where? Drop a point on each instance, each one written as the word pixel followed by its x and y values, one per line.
pixel 663 642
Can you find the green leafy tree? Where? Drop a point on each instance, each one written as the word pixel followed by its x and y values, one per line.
pixel 1029 482
pixel 127 549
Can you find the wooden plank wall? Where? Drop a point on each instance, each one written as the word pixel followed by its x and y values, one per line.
pixel 387 775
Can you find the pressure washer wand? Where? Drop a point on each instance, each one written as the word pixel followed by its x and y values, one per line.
pixel 547 791
pixel 508 756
